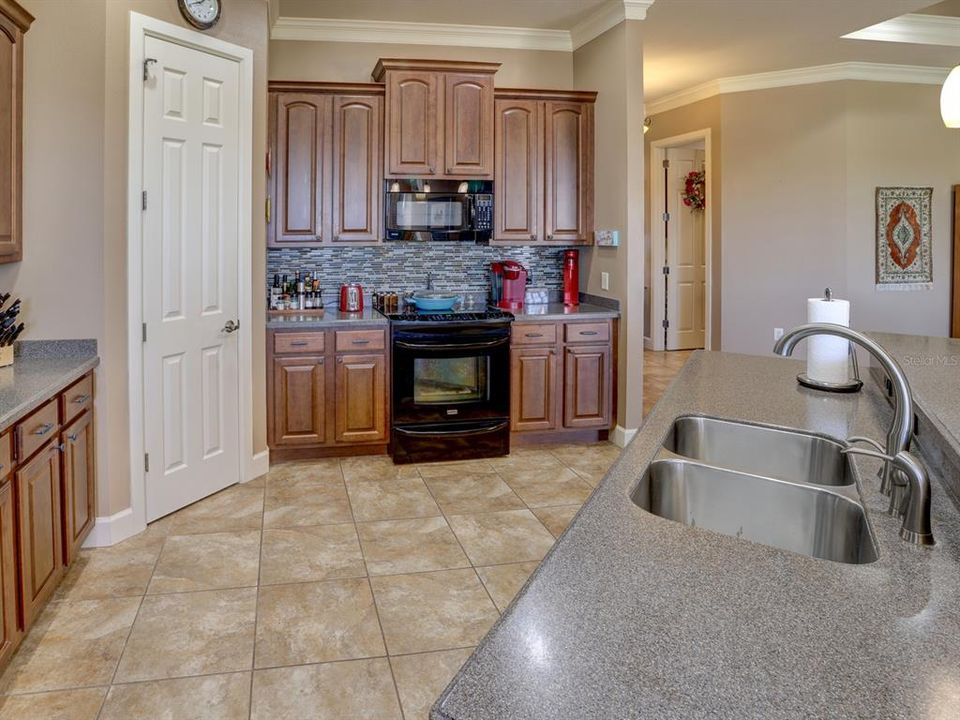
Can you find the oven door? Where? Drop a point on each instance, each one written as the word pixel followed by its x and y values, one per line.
pixel 449 374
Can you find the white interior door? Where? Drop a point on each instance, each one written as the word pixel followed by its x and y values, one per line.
pixel 190 294
pixel 686 257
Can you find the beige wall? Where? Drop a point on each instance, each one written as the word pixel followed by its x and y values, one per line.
pixel 702 115
pixel 353 62
pixel 612 64
pixel 73 275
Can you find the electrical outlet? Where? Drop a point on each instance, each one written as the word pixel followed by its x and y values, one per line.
pixel 777 333
pixel 604 281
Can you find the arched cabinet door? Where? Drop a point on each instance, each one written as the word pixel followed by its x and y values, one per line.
pixel 468 125
pixel 300 173
pixel 14 22
pixel 357 168
pixel 568 171
pixel 411 118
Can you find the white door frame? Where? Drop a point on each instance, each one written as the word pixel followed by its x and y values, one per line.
pixel 658 153
pixel 141 27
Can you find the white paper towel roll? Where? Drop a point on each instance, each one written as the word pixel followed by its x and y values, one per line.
pixel 828 357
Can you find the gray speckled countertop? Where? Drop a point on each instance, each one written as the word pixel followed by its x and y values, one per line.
pixel 559 311
pixel 42 369
pixel 634 616
pixel 331 318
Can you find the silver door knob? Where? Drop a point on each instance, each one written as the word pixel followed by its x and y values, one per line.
pixel 231 327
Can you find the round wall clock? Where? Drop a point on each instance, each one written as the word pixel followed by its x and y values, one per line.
pixel 202 14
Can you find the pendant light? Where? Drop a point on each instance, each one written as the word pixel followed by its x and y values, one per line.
pixel 950 99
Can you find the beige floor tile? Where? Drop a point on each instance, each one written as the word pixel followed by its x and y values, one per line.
pixel 304 472
pixel 433 611
pixel 308 553
pixel 332 691
pixel 317 622
pixel 118 571
pixel 421 679
pixel 190 634
pixel 391 500
pixel 211 697
pixel 501 537
pixel 316 503
pixel 73 644
pixel 236 508
pixel 375 467
pixel 525 458
pixel 556 519
pixel 207 562
pixel 465 493
pixel 62 705
pixel 445 469
pixel 542 487
pixel 392 547
pixel 503 582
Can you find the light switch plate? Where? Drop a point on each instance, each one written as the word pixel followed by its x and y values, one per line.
pixel 606 238
pixel 604 281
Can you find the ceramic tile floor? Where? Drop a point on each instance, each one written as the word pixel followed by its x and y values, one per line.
pixel 348 588
pixel 659 370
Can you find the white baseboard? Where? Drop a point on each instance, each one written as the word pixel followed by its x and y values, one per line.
pixel 111 529
pixel 258 466
pixel 648 343
pixel 622 436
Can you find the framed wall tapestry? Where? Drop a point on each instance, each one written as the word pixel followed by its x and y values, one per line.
pixel 904 238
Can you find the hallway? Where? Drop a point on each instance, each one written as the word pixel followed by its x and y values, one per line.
pixel 659 370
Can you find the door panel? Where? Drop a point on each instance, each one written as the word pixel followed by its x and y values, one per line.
pixel 586 391
pixel 79 490
pixel 411 117
pixel 518 209
pixel 686 257
pixel 357 172
pixel 190 273
pixel 300 172
pixel 533 387
pixel 361 399
pixel 11 130
pixel 299 397
pixel 568 143
pixel 9 634
pixel 468 124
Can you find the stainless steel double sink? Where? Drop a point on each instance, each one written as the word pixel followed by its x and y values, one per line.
pixel 790 489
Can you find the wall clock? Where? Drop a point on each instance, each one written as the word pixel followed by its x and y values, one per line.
pixel 202 14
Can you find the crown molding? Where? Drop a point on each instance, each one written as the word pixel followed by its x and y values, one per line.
pixel 913 28
pixel 602 19
pixel 873 72
pixel 273 12
pixel 408 33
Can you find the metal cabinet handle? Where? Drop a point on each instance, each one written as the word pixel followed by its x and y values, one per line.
pixel 340 360
pixel 43 429
pixel 449 171
pixel 336 238
pixel 533 335
pixel 587 332
pixel 432 171
pixel 549 237
pixel 360 342
pixel 80 399
pixel 533 236
pixel 320 361
pixel 299 343
pixel 72 437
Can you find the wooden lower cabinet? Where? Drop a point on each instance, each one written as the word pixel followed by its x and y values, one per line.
pixel 299 399
pixel 9 629
pixel 41 536
pixel 586 386
pixel 79 484
pixel 533 389
pixel 360 407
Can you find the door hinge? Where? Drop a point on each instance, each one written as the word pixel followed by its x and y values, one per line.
pixel 144 329
pixel 268 210
pixel 146 67
pixel 146 462
pixel 143 200
pixel 666 269
pixel 666 324
pixel 666 216
pixel 666 163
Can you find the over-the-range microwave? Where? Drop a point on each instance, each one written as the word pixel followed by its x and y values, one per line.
pixel 424 210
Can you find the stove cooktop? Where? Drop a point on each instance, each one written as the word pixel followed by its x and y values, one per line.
pixel 451 316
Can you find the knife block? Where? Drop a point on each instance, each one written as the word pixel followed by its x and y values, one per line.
pixel 6 355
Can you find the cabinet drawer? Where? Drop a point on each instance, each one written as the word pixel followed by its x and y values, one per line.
pixel 77 398
pixel 534 334
pixel 6 460
pixel 587 332
pixel 36 430
pixel 298 342
pixel 359 340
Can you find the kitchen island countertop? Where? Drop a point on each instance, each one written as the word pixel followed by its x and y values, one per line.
pixel 634 616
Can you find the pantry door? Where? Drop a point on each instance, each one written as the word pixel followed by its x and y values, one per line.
pixel 686 256
pixel 190 275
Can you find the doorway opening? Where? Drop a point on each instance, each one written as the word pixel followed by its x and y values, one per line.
pixel 681 243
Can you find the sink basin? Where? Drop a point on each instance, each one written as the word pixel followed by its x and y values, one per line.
pixel 804 519
pixel 761 450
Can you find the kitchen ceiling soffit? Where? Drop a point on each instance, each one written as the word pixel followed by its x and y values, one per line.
pixel 605 17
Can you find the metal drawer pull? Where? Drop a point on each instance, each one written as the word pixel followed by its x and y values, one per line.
pixel 454 433
pixel 72 437
pixel 586 332
pixel 533 335
pixel 299 343
pixel 360 342
pixel 43 429
pixel 80 399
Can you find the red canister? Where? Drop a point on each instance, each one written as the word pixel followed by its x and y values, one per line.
pixel 571 277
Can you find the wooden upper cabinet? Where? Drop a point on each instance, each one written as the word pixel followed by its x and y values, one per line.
pixel 14 22
pixel 568 171
pixel 468 125
pixel 357 168
pixel 301 203
pixel 518 208
pixel 438 118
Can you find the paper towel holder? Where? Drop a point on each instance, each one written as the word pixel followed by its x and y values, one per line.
pixel 849 386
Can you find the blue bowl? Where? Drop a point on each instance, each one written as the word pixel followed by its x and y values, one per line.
pixel 436 302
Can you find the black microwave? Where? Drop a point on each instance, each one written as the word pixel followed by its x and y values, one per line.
pixel 425 210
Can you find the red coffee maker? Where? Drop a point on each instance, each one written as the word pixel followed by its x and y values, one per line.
pixel 571 278
pixel 509 280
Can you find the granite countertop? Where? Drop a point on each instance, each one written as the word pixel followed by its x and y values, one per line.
pixel 559 311
pixel 42 369
pixel 331 318
pixel 634 616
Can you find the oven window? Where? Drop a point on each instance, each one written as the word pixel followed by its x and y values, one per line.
pixel 442 381
pixel 409 213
